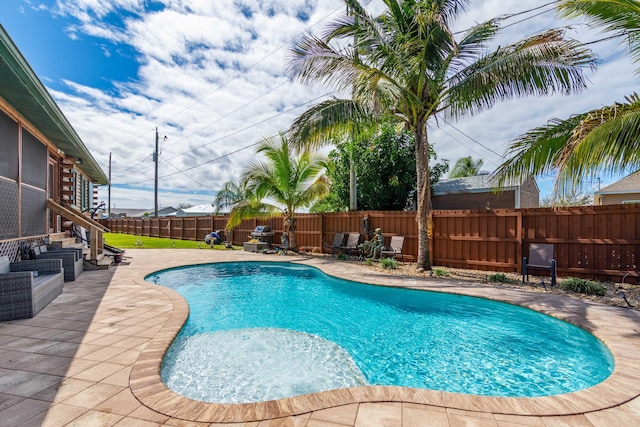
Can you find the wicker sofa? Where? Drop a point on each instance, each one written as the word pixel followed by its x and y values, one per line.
pixel 72 260
pixel 23 293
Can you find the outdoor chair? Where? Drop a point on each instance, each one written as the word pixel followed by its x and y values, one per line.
pixel 540 257
pixel 72 260
pixel 27 287
pixel 338 239
pixel 394 250
pixel 351 247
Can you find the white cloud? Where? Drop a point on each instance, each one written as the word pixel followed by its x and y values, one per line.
pixel 212 78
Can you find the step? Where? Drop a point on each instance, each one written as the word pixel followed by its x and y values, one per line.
pixel 67 242
pixel 102 263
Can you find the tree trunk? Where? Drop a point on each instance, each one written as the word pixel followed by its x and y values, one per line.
pixel 353 188
pixel 423 196
pixel 290 228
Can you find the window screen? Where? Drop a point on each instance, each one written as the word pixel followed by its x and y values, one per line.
pixel 8 147
pixel 34 161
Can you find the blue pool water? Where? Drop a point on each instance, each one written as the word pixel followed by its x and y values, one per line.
pixel 262 331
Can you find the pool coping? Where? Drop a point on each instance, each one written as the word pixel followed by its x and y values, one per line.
pixel 617 327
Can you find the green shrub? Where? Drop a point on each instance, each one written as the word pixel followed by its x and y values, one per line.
pixel 440 272
pixel 499 278
pixel 583 286
pixel 388 263
pixel 343 257
pixel 368 261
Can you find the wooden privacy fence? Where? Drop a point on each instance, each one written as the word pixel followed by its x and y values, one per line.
pixel 597 242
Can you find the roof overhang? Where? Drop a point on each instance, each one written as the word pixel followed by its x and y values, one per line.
pixel 22 89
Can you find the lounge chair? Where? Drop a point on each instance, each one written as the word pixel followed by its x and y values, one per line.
pixel 27 287
pixel 394 250
pixel 72 260
pixel 338 239
pixel 540 257
pixel 351 247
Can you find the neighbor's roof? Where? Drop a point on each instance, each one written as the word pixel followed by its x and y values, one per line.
pixel 470 184
pixel 207 208
pixel 22 89
pixel 628 184
pixel 137 212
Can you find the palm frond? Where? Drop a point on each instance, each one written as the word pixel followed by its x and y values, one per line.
pixel 620 17
pixel 290 178
pixel 232 193
pixel 327 121
pixel 537 151
pixel 539 65
pixel 606 139
pixel 602 140
pixel 251 210
pixel 473 45
pixel 314 60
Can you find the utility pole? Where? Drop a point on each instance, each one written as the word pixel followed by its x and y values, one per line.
pixel 155 159
pixel 109 190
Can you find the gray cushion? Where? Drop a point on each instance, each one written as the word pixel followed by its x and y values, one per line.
pixel 4 264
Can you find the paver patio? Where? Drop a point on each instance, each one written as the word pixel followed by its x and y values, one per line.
pixel 92 357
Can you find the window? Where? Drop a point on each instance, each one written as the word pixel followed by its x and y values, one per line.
pixel 34 161
pixel 8 147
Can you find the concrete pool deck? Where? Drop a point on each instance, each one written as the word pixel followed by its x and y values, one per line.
pixel 92 357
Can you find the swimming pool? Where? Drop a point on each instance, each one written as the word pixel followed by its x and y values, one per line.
pixel 261 331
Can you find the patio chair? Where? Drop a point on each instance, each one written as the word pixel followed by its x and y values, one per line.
pixel 27 287
pixel 351 247
pixel 394 250
pixel 338 239
pixel 540 257
pixel 72 260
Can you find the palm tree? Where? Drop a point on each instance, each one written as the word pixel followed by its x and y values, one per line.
pixel 466 166
pixel 231 194
pixel 284 182
pixel 602 140
pixel 410 64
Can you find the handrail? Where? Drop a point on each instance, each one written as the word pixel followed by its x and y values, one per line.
pixel 75 216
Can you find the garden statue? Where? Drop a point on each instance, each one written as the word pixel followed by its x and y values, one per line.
pixel 374 246
pixel 284 239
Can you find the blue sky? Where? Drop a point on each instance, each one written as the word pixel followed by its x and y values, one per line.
pixel 211 76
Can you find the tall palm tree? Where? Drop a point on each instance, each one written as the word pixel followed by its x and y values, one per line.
pixel 281 184
pixel 466 166
pixel 410 64
pixel 602 140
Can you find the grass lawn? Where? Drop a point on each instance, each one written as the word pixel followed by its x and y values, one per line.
pixel 130 241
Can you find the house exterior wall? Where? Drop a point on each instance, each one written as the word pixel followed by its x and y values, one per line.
pixel 529 195
pixel 615 199
pixel 9 224
pixel 473 201
pixel 30 169
pixel 23 176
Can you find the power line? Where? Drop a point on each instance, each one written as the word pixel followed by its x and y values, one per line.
pixel 527 18
pixel 223 117
pixel 462 143
pixel 473 139
pixel 190 177
pixel 231 134
pixel 240 72
pixel 137 164
pixel 523 12
pixel 165 121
